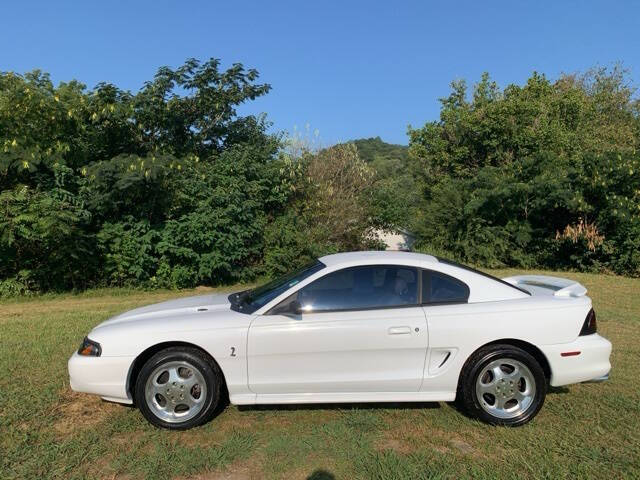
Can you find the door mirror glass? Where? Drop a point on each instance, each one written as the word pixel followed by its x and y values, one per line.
pixel 290 307
pixel 295 308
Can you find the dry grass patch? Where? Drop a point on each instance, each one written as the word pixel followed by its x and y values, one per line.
pixel 395 444
pixel 228 422
pixel 250 469
pixel 78 411
pixel 405 435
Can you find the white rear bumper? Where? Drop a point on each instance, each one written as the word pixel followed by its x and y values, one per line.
pixel 104 376
pixel 590 364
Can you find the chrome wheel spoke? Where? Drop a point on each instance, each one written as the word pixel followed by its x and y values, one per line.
pixel 155 388
pixel 174 378
pixel 189 400
pixel 515 375
pixel 522 397
pixel 497 372
pixel 501 397
pixel 169 391
pixel 487 388
pixel 190 382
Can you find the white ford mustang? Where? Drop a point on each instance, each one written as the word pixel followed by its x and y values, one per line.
pixel 351 327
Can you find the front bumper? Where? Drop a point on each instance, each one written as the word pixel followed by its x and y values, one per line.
pixel 104 376
pixel 590 364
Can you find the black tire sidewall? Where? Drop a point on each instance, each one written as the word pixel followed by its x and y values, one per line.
pixel 198 360
pixel 475 366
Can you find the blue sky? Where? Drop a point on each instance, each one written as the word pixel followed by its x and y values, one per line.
pixel 349 69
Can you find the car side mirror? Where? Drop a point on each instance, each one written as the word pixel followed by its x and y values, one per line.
pixel 292 309
pixel 295 308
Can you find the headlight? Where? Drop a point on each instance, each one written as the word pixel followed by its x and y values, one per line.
pixel 89 348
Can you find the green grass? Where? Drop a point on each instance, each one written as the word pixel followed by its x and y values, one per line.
pixel 47 431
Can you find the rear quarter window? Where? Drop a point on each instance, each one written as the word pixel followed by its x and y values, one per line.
pixel 439 288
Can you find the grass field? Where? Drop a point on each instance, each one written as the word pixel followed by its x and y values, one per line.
pixel 47 431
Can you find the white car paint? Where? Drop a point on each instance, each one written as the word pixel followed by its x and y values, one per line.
pixel 394 354
pixel 372 350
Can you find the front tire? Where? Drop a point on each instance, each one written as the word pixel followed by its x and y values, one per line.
pixel 502 385
pixel 178 388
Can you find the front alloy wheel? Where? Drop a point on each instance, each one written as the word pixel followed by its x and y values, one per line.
pixel 178 388
pixel 175 391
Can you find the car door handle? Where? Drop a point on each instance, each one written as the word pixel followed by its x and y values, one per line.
pixel 399 330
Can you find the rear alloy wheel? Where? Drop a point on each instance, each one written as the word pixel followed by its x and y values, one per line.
pixel 178 388
pixel 503 385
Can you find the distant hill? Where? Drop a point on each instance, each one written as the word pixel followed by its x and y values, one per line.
pixel 371 148
pixel 394 194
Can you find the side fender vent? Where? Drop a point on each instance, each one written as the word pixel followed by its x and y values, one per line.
pixel 440 359
pixel 444 360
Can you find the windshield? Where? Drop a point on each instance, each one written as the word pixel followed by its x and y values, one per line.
pixel 251 300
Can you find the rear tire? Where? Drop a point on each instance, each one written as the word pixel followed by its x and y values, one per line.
pixel 179 388
pixel 502 385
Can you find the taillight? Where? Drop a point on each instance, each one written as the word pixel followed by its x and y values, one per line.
pixel 590 325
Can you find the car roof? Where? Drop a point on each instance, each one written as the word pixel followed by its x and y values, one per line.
pixel 370 257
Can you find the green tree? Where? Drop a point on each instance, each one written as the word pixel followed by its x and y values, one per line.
pixel 328 208
pixel 544 174
pixel 393 195
pixel 167 186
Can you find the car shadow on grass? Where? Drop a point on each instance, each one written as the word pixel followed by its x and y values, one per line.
pixel 558 391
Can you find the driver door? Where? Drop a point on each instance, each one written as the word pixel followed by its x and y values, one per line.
pixel 358 330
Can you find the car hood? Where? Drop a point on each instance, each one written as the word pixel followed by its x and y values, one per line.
pixel 174 309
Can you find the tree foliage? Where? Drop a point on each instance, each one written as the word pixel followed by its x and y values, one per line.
pixel 545 174
pixel 372 149
pixel 170 187
pixel 165 187
pixel 392 195
pixel 328 210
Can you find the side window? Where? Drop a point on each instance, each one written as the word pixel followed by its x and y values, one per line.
pixel 357 288
pixel 440 288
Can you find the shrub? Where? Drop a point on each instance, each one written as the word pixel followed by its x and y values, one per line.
pixel 543 175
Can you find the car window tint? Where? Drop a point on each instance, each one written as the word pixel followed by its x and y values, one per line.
pixel 440 288
pixel 256 298
pixel 361 288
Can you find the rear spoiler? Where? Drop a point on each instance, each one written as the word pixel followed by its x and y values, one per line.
pixel 544 285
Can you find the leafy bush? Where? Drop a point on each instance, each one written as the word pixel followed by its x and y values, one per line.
pixel 169 187
pixel 129 250
pixel 543 175
pixel 328 209
pixel 154 188
pixel 166 187
pixel 43 241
